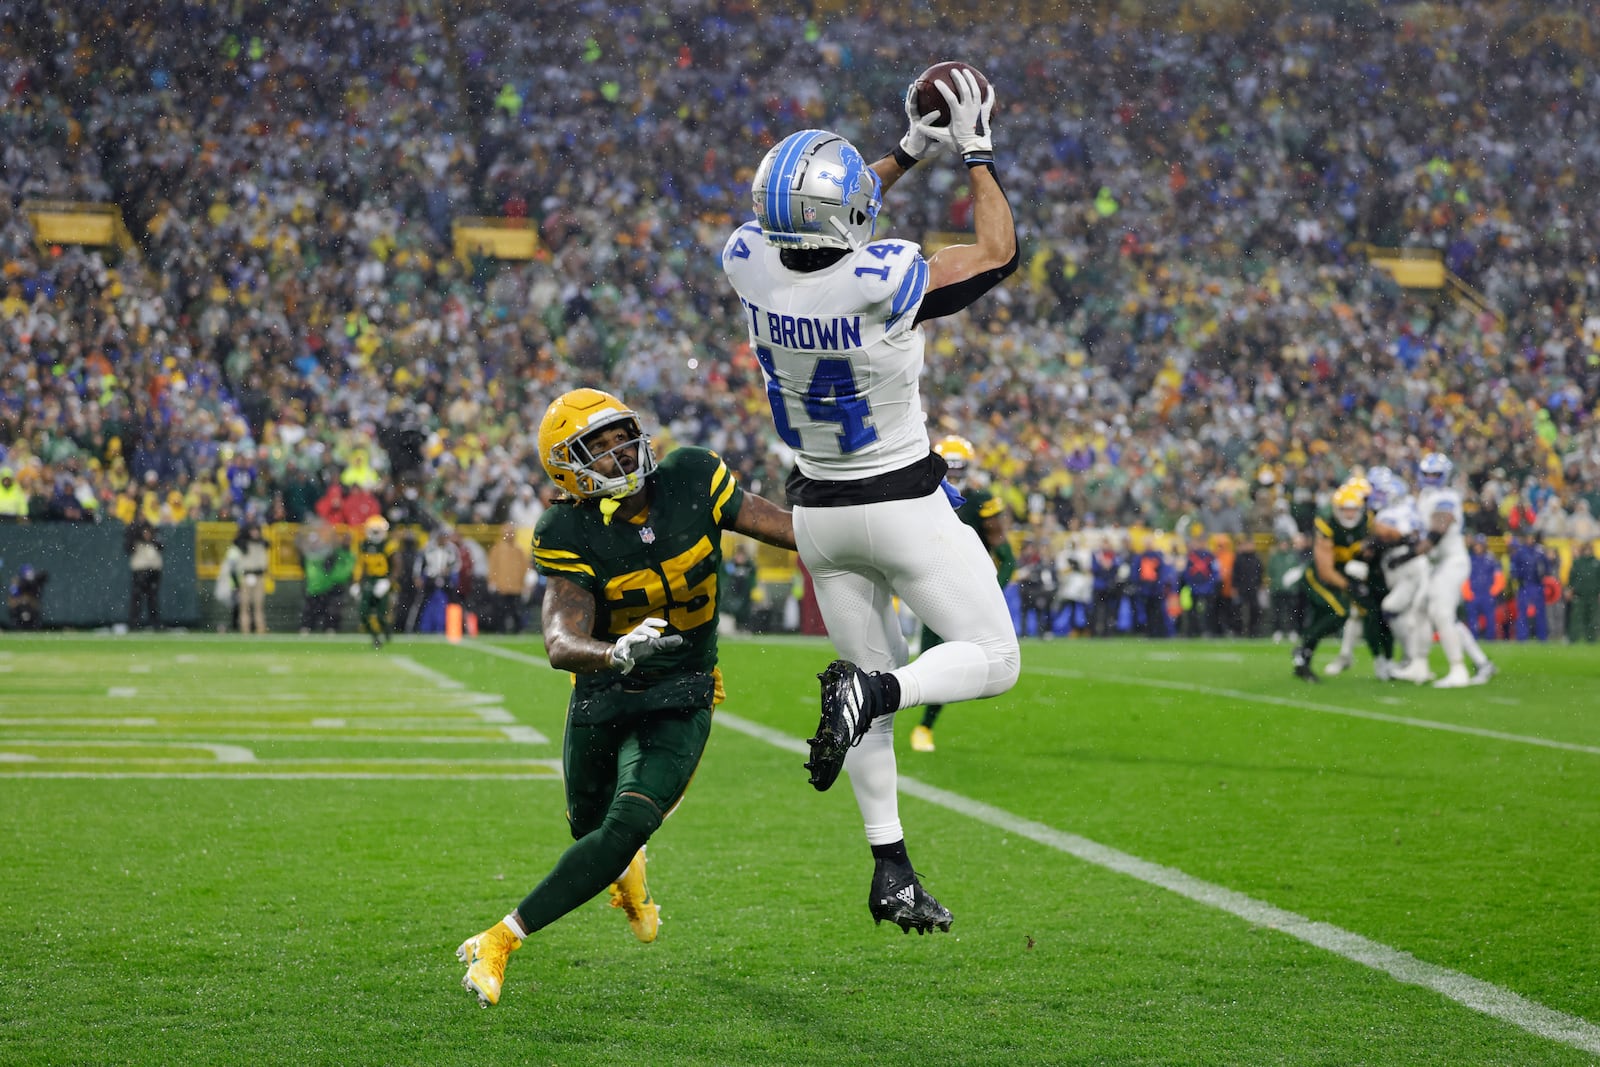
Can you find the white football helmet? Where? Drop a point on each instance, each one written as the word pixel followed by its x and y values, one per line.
pixel 1434 469
pixel 814 190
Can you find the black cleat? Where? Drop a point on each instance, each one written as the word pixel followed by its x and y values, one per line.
pixel 850 697
pixel 1303 669
pixel 898 897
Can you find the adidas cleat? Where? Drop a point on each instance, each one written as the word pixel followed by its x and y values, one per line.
pixel 849 698
pixel 632 895
pixel 898 897
pixel 485 957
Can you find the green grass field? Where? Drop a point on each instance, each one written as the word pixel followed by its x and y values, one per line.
pixel 219 851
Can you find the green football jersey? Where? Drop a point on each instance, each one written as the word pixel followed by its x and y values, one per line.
pixel 1347 543
pixel 665 564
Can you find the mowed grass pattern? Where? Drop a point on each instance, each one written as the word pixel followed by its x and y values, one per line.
pixel 226 851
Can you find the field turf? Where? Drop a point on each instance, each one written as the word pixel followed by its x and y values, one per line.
pixel 214 850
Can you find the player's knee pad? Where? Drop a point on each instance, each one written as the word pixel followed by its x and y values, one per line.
pixel 1005 664
pixel 630 821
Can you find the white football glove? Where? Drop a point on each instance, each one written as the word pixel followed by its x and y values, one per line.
pixel 1357 570
pixel 640 643
pixel 969 115
pixel 380 588
pixel 355 590
pixel 922 140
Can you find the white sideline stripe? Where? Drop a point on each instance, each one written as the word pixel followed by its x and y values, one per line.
pixel 1310 705
pixel 288 776
pixel 1470 992
pixel 440 681
pixel 510 654
pixel 219 752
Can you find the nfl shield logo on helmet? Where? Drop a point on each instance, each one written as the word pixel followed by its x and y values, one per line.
pixel 647 535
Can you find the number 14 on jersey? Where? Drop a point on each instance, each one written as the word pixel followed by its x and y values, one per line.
pixel 831 396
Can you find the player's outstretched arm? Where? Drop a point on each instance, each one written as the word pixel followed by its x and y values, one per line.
pixel 959 274
pixel 765 521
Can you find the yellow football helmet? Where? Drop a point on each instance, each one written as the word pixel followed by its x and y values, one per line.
pixel 377 528
pixel 1360 485
pixel 1349 505
pixel 569 421
pixel 958 453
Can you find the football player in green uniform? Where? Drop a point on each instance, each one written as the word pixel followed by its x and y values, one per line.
pixel 985 513
pixel 372 583
pixel 632 555
pixel 1335 575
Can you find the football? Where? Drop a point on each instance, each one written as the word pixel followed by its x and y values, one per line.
pixel 929 99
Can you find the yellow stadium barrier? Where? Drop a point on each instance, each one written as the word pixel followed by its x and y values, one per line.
pixel 66 222
pixel 495 237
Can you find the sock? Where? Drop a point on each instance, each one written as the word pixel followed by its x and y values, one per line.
pixel 931 713
pixel 515 922
pixel 1470 644
pixel 889 686
pixel 894 852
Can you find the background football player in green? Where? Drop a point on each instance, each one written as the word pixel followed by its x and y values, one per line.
pixel 372 582
pixel 633 556
pixel 1336 573
pixel 985 513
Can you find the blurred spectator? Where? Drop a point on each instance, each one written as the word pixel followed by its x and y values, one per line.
pixel 1249 594
pixel 1485 582
pixel 738 582
pixel 1285 567
pixel 329 564
pixel 1583 595
pixel 13 498
pixel 1109 571
pixel 25 598
pixel 407 582
pixel 249 559
pixel 508 582
pixel 145 558
pixel 1528 569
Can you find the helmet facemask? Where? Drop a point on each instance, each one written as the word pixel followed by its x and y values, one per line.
pixel 577 457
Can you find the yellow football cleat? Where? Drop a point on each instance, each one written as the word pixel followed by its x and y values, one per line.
pixel 632 895
pixel 921 738
pixel 485 957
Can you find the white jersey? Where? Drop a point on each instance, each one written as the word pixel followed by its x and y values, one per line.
pixel 1402 516
pixel 1433 500
pixel 840 352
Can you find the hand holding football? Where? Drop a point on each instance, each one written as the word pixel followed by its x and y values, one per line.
pixel 928 97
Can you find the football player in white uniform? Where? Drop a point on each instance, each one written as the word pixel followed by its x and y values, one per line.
pixel 833 313
pixel 1398 526
pixel 1443 519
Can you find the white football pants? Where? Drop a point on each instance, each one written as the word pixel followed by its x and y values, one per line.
pixel 1444 596
pixel 862 556
pixel 1407 602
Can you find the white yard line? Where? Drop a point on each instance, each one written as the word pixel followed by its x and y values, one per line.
pixel 1471 992
pixel 1311 705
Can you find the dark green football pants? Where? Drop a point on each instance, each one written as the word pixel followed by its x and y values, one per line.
pixel 622 779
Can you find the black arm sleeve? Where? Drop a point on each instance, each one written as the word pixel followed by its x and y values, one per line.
pixel 949 299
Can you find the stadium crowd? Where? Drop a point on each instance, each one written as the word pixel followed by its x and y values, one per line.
pixel 1196 337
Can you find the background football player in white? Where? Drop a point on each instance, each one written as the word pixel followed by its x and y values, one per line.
pixel 1439 504
pixel 1398 526
pixel 833 314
